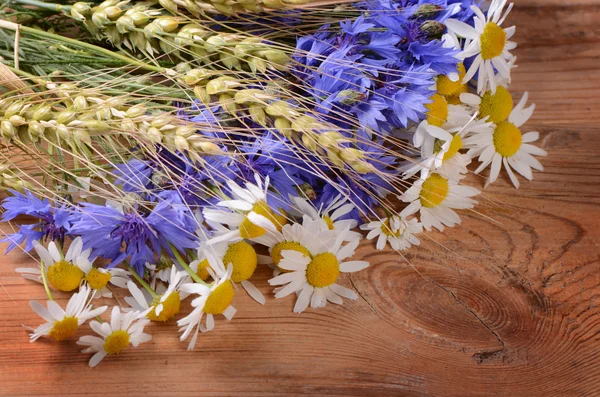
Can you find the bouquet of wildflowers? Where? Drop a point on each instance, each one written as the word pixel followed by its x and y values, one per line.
pixel 165 150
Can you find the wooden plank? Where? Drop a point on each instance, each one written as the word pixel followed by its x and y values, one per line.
pixel 505 305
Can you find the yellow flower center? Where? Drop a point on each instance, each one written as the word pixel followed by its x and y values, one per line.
pixel 170 307
pixel 493 40
pixel 97 279
pixel 455 99
pixel 219 299
pixel 323 270
pixel 243 258
pixel 455 146
pixel 250 230
pixel 447 87
pixel 116 342
pixel 202 271
pixel 329 222
pixel 507 139
pixel 64 329
pixel 287 245
pixel 497 106
pixel 438 110
pixel 386 228
pixel 65 276
pixel 434 191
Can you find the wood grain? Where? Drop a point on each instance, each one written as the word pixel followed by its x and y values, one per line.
pixel 505 305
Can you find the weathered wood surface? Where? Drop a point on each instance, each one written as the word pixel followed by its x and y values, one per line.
pixel 506 305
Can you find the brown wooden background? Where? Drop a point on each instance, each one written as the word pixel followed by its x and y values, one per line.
pixel 506 305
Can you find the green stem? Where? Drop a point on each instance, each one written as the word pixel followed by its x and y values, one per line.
pixel 140 280
pixel 46 6
pixel 184 264
pixel 45 281
pixel 77 43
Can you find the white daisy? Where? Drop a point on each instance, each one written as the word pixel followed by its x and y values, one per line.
pixel 330 218
pixel 251 199
pixel 493 107
pixel 315 276
pixel 63 272
pixel 507 145
pixel 434 198
pixel 124 329
pixel 211 300
pixel 164 305
pixel 241 255
pixel 488 43
pixel 397 230
pixel 440 149
pixel 62 324
pixel 304 238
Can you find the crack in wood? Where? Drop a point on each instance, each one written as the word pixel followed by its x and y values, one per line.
pixel 361 295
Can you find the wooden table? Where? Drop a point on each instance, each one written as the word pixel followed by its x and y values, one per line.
pixel 506 305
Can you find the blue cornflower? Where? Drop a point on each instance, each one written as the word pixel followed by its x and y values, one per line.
pixel 53 222
pixel 106 230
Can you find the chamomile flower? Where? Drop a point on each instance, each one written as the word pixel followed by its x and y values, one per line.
pixel 435 198
pixel 398 231
pixel 494 107
pixel 251 199
pixel 64 273
pixel 98 278
pixel 443 146
pixel 62 324
pixel 331 217
pixel 452 86
pixel 488 42
pixel 161 307
pixel 315 276
pixel 304 238
pixel 243 259
pixel 124 329
pixel 210 300
pixel 507 145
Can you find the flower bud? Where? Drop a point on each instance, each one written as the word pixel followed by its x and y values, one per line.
pixel 428 11
pixel 433 29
